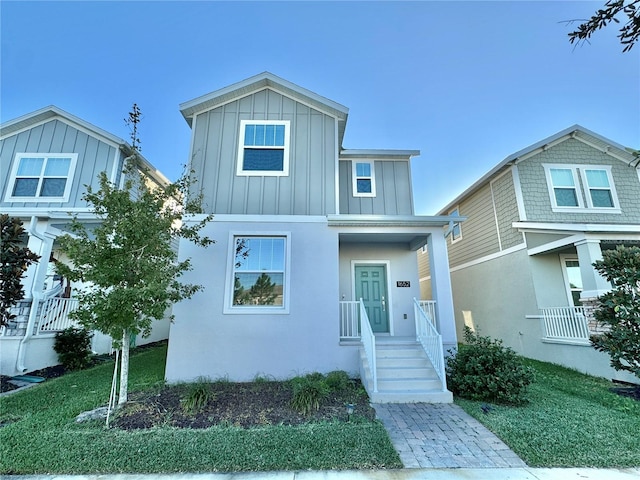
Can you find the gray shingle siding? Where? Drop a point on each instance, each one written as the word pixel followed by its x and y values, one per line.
pixel 506 208
pixel 572 151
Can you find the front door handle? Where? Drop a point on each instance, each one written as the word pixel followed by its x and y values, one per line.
pixel 384 305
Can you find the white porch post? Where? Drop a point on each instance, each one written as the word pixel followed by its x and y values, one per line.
pixel 441 289
pixel 593 284
pixel 41 244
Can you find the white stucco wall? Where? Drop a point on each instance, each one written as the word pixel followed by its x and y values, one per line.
pixel 498 299
pixel 206 342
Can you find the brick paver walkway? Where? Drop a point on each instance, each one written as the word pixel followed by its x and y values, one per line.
pixel 428 435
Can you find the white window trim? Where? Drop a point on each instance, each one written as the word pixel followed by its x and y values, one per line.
pixel 37 199
pixel 241 146
pixel 565 276
pixel 229 308
pixel 580 181
pixel 587 187
pixel 354 179
pixel 458 224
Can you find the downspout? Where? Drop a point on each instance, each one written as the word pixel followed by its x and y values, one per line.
pixel 36 296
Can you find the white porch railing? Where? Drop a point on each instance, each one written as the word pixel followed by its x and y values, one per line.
pixel 54 315
pixel 565 324
pixel 429 309
pixel 349 320
pixel 369 344
pixel 431 341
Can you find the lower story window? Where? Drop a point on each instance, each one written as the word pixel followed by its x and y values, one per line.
pixel 259 271
pixel 573 279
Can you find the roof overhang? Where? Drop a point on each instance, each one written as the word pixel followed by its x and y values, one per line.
pixel 262 81
pixel 355 154
pixel 576 131
pixel 413 231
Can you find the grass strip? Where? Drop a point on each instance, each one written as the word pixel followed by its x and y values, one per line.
pixel 42 436
pixel 571 420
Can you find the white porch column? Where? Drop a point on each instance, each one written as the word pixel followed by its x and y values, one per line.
pixel 441 289
pixel 593 284
pixel 41 244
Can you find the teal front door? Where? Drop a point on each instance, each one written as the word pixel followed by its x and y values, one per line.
pixel 371 287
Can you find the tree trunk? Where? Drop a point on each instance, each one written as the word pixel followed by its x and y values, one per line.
pixel 124 368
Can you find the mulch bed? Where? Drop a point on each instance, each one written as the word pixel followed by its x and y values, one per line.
pixel 238 404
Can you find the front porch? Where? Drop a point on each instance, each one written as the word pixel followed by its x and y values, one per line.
pixel 398 369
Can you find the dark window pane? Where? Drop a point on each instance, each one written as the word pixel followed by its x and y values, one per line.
pixel 566 197
pixel 601 198
pixel 263 159
pixel 53 187
pixel 364 186
pixel 25 187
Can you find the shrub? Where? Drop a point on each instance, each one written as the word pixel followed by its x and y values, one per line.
pixel 483 369
pixel 198 396
pixel 337 380
pixel 73 348
pixel 619 309
pixel 308 392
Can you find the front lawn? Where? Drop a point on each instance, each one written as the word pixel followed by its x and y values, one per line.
pixel 40 434
pixel 571 420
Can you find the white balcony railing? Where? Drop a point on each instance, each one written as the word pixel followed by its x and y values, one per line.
pixel 349 320
pixel 569 324
pixel 431 341
pixel 54 315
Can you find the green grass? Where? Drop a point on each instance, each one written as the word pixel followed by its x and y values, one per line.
pixel 44 438
pixel 571 420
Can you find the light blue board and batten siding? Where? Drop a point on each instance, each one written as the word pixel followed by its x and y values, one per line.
pixel 393 190
pixel 536 193
pixel 309 189
pixel 56 136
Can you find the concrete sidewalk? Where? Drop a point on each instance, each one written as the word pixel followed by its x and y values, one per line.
pixel 406 474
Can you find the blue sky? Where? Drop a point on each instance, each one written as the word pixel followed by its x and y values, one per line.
pixel 466 83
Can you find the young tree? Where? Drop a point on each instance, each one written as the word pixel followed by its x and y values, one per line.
pixel 131 271
pixel 619 309
pixel 629 32
pixel 14 260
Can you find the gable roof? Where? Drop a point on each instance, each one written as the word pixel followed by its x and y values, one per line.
pixel 260 82
pixel 576 131
pixel 52 112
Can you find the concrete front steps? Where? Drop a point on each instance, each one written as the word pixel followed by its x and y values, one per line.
pixel 405 374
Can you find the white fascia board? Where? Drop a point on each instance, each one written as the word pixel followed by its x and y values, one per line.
pixel 256 83
pixel 269 218
pixel 527 152
pixel 575 227
pixel 349 154
pixel 391 221
pixel 47 113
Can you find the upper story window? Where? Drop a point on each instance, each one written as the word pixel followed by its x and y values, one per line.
pixel 260 274
pixel 264 148
pixel 566 184
pixel 41 177
pixel 456 228
pixel 364 182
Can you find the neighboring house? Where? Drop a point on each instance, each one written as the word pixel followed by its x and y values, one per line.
pixel 304 229
pixel 521 265
pixel 47 158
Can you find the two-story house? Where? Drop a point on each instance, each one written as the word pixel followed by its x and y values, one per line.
pixel 314 266
pixel 47 158
pixel 521 265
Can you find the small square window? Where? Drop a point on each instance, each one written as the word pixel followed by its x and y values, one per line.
pixel 264 148
pixel 364 184
pixel 41 176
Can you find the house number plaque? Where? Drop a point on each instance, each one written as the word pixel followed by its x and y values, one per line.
pixel 403 283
